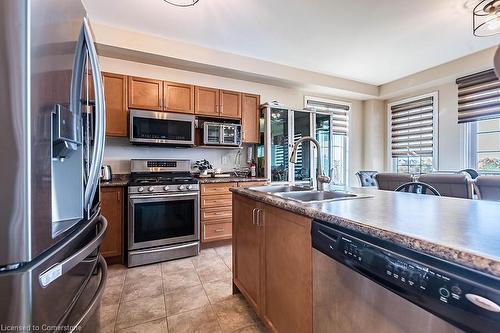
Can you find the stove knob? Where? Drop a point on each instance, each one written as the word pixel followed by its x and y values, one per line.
pixel 166 188
pixel 190 187
pixel 182 187
pixel 151 189
pixel 140 189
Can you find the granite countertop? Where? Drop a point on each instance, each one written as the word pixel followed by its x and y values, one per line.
pixel 210 180
pixel 117 180
pixel 462 231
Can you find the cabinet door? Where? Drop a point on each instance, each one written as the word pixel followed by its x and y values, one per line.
pixel 112 210
pixel 287 273
pixel 115 96
pixel 145 93
pixel 230 104
pixel 178 97
pixel 246 250
pixel 206 101
pixel 250 105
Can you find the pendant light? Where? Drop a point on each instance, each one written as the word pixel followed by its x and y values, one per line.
pixel 182 3
pixel 486 18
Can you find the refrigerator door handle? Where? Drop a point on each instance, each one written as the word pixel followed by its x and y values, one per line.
pixel 96 300
pixel 100 119
pixel 57 270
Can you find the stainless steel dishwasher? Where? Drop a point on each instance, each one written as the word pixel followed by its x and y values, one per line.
pixel 365 284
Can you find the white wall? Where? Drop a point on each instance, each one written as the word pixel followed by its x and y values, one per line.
pixel 119 151
pixel 374 135
pixel 441 79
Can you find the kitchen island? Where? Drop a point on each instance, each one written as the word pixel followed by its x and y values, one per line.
pixel 277 230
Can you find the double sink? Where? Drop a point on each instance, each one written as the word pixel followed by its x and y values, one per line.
pixel 306 195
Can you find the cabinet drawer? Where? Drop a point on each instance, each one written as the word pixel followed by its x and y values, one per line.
pixel 221 200
pixel 218 188
pixel 217 231
pixel 208 214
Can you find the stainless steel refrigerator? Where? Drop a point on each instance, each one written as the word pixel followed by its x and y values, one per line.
pixel 52 125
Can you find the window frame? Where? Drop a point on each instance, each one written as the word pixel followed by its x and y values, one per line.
pixel 345 152
pixel 435 128
pixel 468 147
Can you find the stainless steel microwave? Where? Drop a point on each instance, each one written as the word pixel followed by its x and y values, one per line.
pixel 148 127
pixel 224 134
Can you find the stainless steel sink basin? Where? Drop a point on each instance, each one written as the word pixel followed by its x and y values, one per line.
pixel 279 188
pixel 319 196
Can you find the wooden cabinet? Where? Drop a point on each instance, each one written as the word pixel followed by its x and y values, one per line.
pixel 216 211
pixel 178 97
pixel 206 101
pixel 251 184
pixel 286 278
pixel 272 264
pixel 145 93
pixel 250 105
pixel 230 104
pixel 112 209
pixel 115 96
pixel 247 250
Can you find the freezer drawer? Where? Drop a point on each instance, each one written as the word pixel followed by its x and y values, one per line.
pixel 54 289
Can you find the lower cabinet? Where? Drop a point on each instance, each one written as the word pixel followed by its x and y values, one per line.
pixel 112 209
pixel 216 209
pixel 272 264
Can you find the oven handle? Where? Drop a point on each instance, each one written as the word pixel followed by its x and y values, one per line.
pixel 161 196
pixel 176 247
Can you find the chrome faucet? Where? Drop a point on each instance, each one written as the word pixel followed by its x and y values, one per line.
pixel 320 178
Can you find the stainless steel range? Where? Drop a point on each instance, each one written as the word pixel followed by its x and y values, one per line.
pixel 163 211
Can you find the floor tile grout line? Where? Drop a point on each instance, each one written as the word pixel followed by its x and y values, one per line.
pixel 163 295
pixel 119 302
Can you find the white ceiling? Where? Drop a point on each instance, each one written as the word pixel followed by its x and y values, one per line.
pixel 372 41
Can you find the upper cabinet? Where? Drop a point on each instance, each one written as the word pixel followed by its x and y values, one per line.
pixel 230 104
pixel 206 101
pixel 115 96
pixel 145 93
pixel 250 117
pixel 178 97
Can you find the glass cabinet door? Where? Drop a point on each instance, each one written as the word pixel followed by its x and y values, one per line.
pixel 279 145
pixel 323 128
pixel 302 128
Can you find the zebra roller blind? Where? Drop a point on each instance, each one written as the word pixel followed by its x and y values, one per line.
pixel 412 128
pixel 339 112
pixel 478 97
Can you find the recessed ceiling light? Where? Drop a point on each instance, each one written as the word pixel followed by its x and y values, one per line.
pixel 182 3
pixel 486 18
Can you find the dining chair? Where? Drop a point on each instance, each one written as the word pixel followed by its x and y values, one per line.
pixel 391 181
pixel 488 187
pixel 471 172
pixel 449 185
pixel 418 187
pixel 367 178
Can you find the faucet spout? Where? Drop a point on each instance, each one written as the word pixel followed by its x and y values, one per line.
pixel 320 178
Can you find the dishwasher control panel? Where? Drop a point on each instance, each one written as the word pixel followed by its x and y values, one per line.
pixel 461 296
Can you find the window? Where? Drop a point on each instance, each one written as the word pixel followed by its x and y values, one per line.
pixel 413 134
pixel 483 148
pixel 331 122
pixel 479 112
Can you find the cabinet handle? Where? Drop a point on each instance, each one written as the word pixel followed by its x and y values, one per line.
pixel 218 230
pixel 254 222
pixel 260 222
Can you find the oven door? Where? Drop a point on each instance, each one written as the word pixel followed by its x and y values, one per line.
pixel 156 220
pixel 212 134
pixel 230 135
pixel 147 127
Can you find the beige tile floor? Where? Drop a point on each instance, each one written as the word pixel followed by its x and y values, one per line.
pixel 185 295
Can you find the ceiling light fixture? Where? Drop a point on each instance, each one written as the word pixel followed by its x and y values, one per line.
pixel 182 3
pixel 486 18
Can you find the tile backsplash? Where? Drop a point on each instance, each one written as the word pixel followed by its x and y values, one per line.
pixel 119 151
